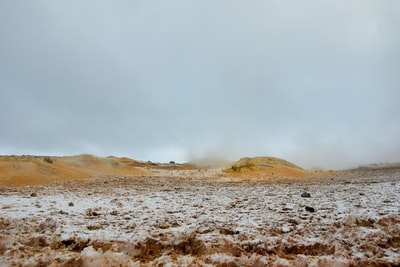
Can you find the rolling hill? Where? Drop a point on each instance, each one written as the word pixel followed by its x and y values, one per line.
pixel 33 170
pixel 262 168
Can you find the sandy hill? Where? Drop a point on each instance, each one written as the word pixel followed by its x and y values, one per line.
pixel 262 168
pixel 32 170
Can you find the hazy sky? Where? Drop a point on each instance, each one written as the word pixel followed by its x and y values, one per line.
pixel 314 82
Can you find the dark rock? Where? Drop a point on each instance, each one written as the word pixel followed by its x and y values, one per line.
pixel 174 224
pixel 37 242
pixel 48 160
pixel 34 195
pixel 310 209
pixel 76 245
pixel 90 212
pixel 70 204
pixel 114 212
pixel 306 194
pixel 226 231
pixel 94 226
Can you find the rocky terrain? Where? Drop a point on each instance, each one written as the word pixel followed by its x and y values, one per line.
pixel 250 213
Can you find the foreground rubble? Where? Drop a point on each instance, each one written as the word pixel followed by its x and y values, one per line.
pixel 193 218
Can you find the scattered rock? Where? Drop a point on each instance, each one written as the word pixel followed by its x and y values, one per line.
pixel 73 244
pixel 174 224
pixel 34 195
pixel 204 230
pixel 164 225
pixel 225 231
pixel 306 195
pixel 90 212
pixel 94 226
pixel 39 241
pixel 48 160
pixel 70 204
pixel 114 212
pixel 292 221
pixel 309 209
pixel 131 226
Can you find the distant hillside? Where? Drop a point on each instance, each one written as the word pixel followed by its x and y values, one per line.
pixel 32 170
pixel 379 166
pixel 264 167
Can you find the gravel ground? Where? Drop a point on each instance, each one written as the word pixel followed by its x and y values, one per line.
pixel 195 218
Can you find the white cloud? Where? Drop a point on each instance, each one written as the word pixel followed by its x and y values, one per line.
pixel 183 79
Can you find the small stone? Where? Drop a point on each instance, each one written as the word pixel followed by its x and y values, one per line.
pixel 114 212
pixel 34 195
pixel 164 225
pixel 226 231
pixel 130 226
pixel 306 195
pixel 174 224
pixel 90 212
pixel 70 204
pixel 94 226
pixel 310 209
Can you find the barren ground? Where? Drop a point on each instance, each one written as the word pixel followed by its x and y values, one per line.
pixel 195 217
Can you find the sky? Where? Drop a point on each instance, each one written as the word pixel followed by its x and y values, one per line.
pixel 314 82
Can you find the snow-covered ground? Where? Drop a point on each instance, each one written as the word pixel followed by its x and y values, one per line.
pixel 190 218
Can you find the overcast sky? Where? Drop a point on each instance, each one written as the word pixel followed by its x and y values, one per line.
pixel 314 82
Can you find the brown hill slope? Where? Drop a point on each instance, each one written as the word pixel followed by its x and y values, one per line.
pixel 32 170
pixel 264 168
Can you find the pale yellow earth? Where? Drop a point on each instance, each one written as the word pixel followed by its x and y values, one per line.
pixel 37 170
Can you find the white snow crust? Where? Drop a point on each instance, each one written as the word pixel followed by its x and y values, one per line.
pixel 178 219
